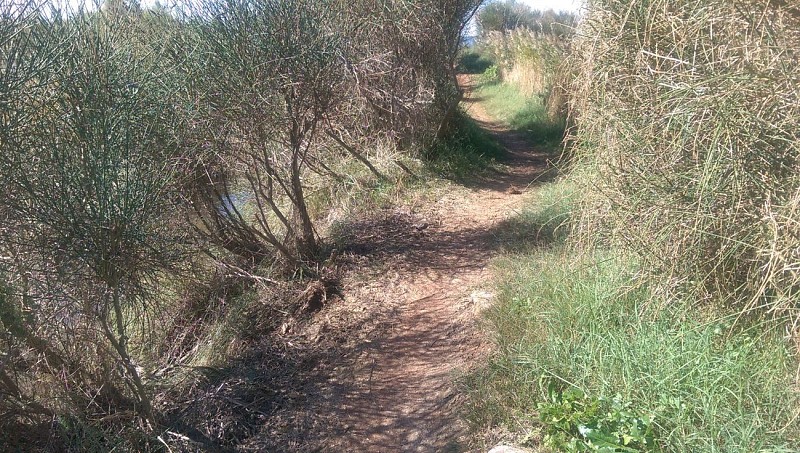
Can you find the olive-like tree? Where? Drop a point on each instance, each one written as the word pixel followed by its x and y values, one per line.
pixel 271 70
pixel 401 67
pixel 86 162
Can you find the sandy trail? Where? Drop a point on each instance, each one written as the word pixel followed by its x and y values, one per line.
pixel 433 265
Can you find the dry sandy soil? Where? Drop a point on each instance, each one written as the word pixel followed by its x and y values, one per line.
pixel 434 267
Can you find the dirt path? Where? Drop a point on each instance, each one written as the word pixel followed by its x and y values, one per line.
pixel 432 263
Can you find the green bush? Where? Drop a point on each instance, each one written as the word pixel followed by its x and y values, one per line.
pixel 490 76
pixel 473 62
pixel 465 151
pixel 87 162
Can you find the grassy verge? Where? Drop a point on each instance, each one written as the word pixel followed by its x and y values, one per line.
pixel 522 113
pixel 546 225
pixel 466 152
pixel 595 364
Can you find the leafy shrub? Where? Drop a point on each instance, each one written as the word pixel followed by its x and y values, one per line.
pixel 490 76
pixel 473 62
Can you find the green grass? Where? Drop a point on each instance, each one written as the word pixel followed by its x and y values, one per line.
pixel 563 320
pixel 544 224
pixel 521 113
pixel 467 151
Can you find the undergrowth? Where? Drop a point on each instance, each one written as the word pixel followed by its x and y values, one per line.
pixel 468 150
pixel 600 364
pixel 474 62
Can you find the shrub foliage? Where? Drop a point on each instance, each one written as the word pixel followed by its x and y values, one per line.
pixel 134 141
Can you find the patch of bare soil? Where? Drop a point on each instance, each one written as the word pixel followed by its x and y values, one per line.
pixel 372 369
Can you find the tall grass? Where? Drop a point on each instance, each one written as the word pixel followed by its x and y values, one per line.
pixel 528 59
pixel 574 323
pixel 688 112
pixel 530 65
pixel 579 322
pixel 569 320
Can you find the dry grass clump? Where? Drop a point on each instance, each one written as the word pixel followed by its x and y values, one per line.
pixel 528 59
pixel 688 116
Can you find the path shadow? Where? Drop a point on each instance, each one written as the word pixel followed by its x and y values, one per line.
pixel 279 393
pixel 401 426
pixel 473 99
pixel 399 395
pixel 408 244
pixel 522 171
pixel 402 243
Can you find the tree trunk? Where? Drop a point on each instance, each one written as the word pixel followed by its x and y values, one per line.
pixel 307 240
pixel 120 344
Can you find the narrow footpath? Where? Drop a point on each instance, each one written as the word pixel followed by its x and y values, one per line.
pixel 401 396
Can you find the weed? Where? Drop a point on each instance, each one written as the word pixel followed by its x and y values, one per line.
pixel 71 434
pixel 576 422
pixel 490 76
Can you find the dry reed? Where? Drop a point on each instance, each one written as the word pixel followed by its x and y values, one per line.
pixel 688 114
